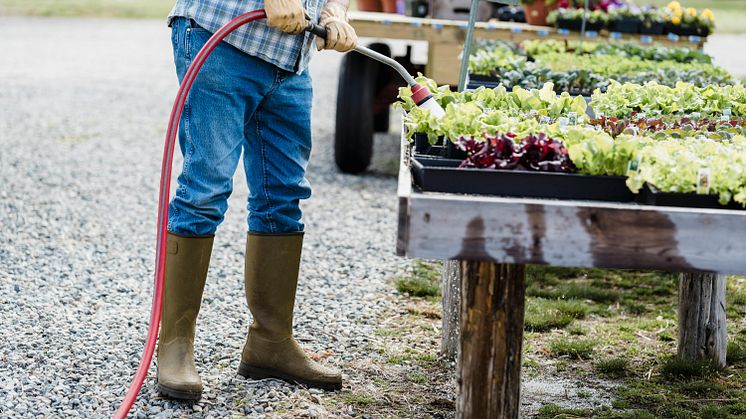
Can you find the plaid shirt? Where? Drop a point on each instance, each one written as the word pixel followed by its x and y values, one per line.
pixel 289 52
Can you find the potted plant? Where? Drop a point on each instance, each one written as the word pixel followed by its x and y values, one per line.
pixel 537 10
pixel 564 18
pixel 624 19
pixel 653 21
pixel 572 19
pixel 706 22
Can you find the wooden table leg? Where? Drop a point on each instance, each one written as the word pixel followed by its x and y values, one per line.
pixel 702 332
pixel 492 303
pixel 451 321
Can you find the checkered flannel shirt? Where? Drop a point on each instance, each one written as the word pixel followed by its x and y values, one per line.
pixel 289 52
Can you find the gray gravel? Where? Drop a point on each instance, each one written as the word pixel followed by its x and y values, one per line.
pixel 83 107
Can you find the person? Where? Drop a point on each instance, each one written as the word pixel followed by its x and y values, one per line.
pixel 253 95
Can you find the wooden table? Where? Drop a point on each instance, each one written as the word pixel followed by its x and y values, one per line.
pixel 493 237
pixel 446 37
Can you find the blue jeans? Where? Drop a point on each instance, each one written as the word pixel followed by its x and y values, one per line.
pixel 240 103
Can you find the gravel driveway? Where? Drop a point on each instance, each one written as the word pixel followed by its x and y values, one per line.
pixel 83 107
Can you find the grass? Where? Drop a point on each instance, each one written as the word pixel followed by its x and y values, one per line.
pixel 614 367
pixel 551 411
pixel 423 280
pixel 543 315
pixel 574 348
pixel 153 9
pixel 628 335
pixel 677 368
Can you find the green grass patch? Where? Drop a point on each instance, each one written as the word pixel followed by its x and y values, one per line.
pixel 736 353
pixel 550 411
pixel 575 292
pixel 417 377
pixel 422 281
pixel 675 367
pixel 701 388
pixel 358 399
pixel 542 314
pixel 154 9
pixel 572 347
pixel 613 367
pixel 576 330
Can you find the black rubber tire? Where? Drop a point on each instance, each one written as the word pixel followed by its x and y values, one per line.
pixel 385 74
pixel 353 135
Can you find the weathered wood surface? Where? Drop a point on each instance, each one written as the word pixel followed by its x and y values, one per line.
pixel 446 37
pixel 489 362
pixel 568 233
pixel 702 331
pixel 451 321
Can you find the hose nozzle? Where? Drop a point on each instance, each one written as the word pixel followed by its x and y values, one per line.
pixel 422 97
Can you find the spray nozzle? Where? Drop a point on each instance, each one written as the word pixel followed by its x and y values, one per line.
pixel 424 99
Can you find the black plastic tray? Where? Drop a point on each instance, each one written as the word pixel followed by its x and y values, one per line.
pixel 444 175
pixel 449 151
pixel 648 196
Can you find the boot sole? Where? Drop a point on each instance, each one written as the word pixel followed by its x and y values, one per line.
pixel 179 394
pixel 257 373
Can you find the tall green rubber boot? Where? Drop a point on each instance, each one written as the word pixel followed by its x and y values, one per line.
pixel 187 260
pixel 272 264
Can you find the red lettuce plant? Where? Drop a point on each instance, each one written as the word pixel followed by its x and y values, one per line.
pixel 536 152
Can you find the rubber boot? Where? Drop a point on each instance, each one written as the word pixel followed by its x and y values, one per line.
pixel 187 260
pixel 272 264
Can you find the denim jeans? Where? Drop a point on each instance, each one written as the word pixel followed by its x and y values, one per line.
pixel 240 103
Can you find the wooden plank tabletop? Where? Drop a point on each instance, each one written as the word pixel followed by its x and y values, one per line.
pixel 567 233
pixel 393 26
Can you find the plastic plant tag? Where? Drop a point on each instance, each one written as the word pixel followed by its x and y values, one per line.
pixel 545 120
pixel 572 117
pixel 533 113
pixel 696 115
pixel 563 121
pixel 703 181
pixel 633 166
pixel 726 112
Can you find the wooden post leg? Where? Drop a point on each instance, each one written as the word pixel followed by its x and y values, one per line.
pixel 451 285
pixel 492 300
pixel 702 333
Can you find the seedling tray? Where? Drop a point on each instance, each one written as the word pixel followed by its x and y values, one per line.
pixel 650 196
pixel 449 151
pixel 443 175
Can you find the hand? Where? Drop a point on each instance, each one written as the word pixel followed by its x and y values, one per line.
pixel 286 15
pixel 340 35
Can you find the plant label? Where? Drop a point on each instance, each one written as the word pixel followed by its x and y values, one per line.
pixel 633 166
pixel 563 121
pixel 703 181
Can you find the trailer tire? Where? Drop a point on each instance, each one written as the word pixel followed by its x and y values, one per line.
pixel 354 127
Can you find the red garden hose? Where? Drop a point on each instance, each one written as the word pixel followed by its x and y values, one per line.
pixel 420 95
pixel 163 198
